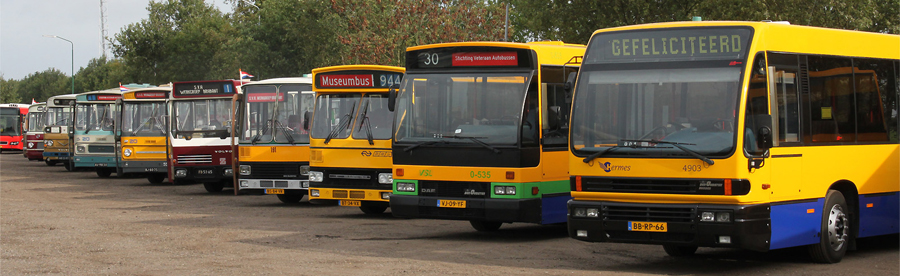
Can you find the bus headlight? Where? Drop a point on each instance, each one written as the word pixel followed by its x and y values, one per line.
pixel 708 216
pixel 304 170
pixel 580 212
pixel 181 173
pixel 315 176
pixel 723 216
pixel 30 145
pixel 314 193
pixel 385 178
pixel 245 169
pixel 80 149
pixel 14 143
pixel 245 184
pixel 127 152
pixel 386 195
pixel 593 212
pixel 48 143
pixel 406 187
pixel 505 190
pixel 228 172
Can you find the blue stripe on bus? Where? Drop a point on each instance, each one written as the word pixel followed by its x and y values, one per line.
pixel 553 209
pixel 880 219
pixel 792 225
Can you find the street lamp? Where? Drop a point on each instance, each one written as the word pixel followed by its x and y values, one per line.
pixel 73 58
pixel 258 17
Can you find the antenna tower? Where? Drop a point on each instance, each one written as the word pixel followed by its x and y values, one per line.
pixel 103 27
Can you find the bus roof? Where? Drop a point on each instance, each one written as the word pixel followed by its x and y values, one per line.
pixel 21 107
pixel 782 37
pixel 54 101
pixel 38 107
pixel 296 80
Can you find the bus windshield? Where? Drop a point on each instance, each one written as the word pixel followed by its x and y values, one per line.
pixel 480 107
pixel 58 116
pixel 144 119
pixel 334 115
pixel 9 122
pixel 35 121
pixel 374 118
pixel 265 122
pixel 631 109
pixel 93 117
pixel 207 117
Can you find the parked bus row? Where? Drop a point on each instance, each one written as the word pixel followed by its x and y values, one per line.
pixel 752 135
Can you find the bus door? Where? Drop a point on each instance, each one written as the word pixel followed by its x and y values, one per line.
pixel 785 157
pixel 555 104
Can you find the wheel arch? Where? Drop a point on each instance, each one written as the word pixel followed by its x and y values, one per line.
pixel 851 196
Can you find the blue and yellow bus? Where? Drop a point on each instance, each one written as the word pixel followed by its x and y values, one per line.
pixel 93 139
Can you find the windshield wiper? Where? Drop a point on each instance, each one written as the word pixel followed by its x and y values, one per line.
pixel 102 119
pixel 599 153
pixel 283 131
pixel 259 135
pixel 345 122
pixel 475 139
pixel 679 146
pixel 364 121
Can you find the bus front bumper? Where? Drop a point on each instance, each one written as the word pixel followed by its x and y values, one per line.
pixel 54 155
pixel 95 162
pixel 145 166
pixel 203 174
pixel 273 186
pixel 481 209
pixel 363 195
pixel 748 226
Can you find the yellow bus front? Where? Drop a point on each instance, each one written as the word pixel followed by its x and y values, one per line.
pixel 142 133
pixel 58 120
pixel 350 148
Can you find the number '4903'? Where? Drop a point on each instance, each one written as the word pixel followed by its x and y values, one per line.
pixel 691 168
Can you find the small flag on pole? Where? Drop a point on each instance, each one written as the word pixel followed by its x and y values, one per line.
pixel 245 75
pixel 32 101
pixel 122 88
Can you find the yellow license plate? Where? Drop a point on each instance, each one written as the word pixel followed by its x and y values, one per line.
pixel 352 203
pixel 275 191
pixel 451 203
pixel 644 226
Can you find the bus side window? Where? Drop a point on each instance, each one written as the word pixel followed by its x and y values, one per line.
pixel 757 109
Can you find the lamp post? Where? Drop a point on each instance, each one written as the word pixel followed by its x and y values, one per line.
pixel 73 58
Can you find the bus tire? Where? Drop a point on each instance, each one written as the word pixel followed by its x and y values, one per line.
pixel 104 173
pixel 156 178
pixel 290 198
pixel 836 230
pixel 679 250
pixel 69 166
pixel 213 187
pixel 50 162
pixel 372 210
pixel 485 226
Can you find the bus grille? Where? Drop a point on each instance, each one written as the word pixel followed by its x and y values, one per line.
pixel 100 149
pixel 274 170
pixel 273 184
pixel 3 142
pixel 454 189
pixel 655 214
pixel 366 178
pixel 195 159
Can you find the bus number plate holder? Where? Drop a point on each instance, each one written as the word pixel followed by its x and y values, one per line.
pixel 644 226
pixel 274 191
pixel 351 203
pixel 443 203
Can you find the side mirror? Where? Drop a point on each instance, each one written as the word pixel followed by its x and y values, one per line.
pixel 306 116
pixel 553 117
pixel 392 98
pixel 764 133
pixel 119 101
pixel 570 82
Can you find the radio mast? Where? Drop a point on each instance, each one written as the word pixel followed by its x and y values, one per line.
pixel 102 28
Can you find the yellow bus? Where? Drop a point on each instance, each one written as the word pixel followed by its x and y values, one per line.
pixel 274 137
pixel 753 135
pixel 142 133
pixel 350 155
pixel 481 133
pixel 56 132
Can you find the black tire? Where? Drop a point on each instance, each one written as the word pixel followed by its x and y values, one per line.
pixel 156 178
pixel 372 209
pixel 835 232
pixel 680 251
pixel 213 187
pixel 104 173
pixel 485 226
pixel 50 162
pixel 69 166
pixel 290 198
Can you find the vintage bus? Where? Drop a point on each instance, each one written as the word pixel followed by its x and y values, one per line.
pixel 56 132
pixel 200 142
pixel 94 137
pixel 274 119
pixel 12 126
pixel 350 155
pixel 34 132
pixel 142 133
pixel 752 135
pixel 480 133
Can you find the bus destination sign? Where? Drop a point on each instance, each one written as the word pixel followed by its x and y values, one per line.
pixel 444 59
pixel 103 97
pixel 264 97
pixel 358 79
pixel 670 45
pixel 203 89
pixel 150 95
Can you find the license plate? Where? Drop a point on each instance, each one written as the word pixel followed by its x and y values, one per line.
pixel 100 165
pixel 63 158
pixel 644 226
pixel 275 191
pixel 352 203
pixel 451 203
pixel 205 172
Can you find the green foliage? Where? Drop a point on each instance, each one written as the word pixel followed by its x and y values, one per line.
pixel 102 74
pixel 39 86
pixel 9 91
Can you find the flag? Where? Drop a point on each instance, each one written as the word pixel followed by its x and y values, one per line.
pixel 245 75
pixel 122 88
pixel 32 101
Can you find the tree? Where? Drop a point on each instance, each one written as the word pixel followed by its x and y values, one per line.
pixel 42 85
pixel 9 91
pixel 100 74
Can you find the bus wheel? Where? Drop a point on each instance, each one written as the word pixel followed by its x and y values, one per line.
pixel 835 234
pixel 69 166
pixel 372 210
pixel 103 173
pixel 213 187
pixel 156 178
pixel 50 162
pixel 290 198
pixel 679 251
pixel 485 226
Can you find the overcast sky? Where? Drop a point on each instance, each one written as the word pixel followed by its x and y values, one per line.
pixel 24 50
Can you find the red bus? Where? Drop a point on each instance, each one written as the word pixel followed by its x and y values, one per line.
pixel 34 132
pixel 12 126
